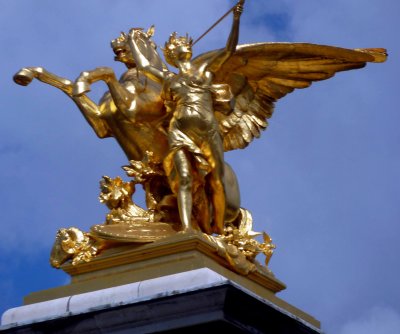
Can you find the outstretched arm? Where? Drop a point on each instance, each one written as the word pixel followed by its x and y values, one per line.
pixel 216 62
pixel 142 62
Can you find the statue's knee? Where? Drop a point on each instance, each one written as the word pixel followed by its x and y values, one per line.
pixel 185 180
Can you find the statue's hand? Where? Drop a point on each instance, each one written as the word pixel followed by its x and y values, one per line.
pixel 238 9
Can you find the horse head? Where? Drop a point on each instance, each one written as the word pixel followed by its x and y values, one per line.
pixel 146 45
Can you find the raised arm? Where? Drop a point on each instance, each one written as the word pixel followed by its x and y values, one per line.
pixel 216 62
pixel 141 61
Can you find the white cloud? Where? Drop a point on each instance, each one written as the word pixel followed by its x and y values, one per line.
pixel 378 320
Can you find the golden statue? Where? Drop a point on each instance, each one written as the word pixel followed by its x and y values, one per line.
pixel 195 162
pixel 175 127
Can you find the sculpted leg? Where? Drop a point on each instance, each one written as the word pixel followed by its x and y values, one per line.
pixel 89 109
pixel 86 78
pixel 121 96
pixel 218 201
pixel 215 181
pixel 201 210
pixel 232 200
pixel 183 168
pixel 25 76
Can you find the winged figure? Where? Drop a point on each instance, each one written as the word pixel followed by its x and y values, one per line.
pixel 177 126
pixel 221 100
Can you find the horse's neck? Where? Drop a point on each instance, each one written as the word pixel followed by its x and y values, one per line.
pixel 151 54
pixel 131 75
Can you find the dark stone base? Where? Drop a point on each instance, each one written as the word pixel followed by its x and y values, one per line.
pixel 220 309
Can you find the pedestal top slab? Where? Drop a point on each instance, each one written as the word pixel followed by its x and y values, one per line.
pixel 152 289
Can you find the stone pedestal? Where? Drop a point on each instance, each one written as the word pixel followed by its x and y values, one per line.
pixel 178 285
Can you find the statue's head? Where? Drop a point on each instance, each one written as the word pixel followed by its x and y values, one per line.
pixel 178 49
pixel 121 48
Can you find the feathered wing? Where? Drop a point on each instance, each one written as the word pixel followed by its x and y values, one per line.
pixel 260 74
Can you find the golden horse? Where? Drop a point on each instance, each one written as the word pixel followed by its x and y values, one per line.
pixel 133 112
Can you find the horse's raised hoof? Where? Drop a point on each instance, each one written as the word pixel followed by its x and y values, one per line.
pixel 80 88
pixel 23 77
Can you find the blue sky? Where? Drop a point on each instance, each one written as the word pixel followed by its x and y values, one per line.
pixel 323 180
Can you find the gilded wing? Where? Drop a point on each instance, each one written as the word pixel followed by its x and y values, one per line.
pixel 260 74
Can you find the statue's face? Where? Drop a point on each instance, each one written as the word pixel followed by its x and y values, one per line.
pixel 184 52
pixel 121 50
pixel 123 55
